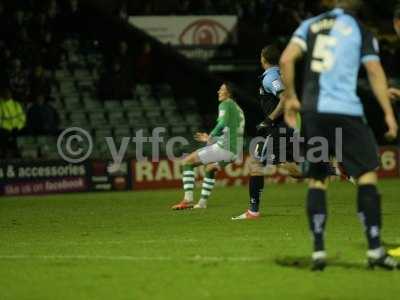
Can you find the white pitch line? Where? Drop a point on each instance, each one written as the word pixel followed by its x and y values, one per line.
pixel 133 258
pixel 85 243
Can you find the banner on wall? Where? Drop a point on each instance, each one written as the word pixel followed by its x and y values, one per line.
pixel 35 178
pixel 102 180
pixel 196 37
pixel 390 159
pixel 148 175
pixel 167 174
pixel 189 30
pixel 48 177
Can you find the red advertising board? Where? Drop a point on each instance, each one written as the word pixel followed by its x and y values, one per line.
pixel 147 175
pixel 389 157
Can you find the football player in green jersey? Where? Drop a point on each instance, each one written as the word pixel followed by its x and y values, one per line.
pixel 224 145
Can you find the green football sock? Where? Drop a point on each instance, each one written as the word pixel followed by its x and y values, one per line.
pixel 208 185
pixel 188 182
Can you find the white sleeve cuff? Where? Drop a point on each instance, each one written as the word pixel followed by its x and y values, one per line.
pixel 300 42
pixel 371 57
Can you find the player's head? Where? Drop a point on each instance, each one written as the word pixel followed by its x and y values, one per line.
pixel 349 4
pixel 269 56
pixel 396 20
pixel 226 91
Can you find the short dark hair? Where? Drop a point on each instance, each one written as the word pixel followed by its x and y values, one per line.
pixel 349 4
pixel 271 54
pixel 231 89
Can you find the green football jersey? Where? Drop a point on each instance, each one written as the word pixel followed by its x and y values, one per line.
pixel 230 127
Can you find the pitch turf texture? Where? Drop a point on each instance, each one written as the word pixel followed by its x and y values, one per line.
pixel 132 246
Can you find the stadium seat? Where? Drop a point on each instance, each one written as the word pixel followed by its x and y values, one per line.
pixel 46 140
pixel 167 102
pixel 112 105
pixel 154 113
pixel 163 90
pixel 100 134
pixel 143 90
pixel 78 116
pixel 138 122
pixel 178 130
pixel 97 118
pixel 73 99
pixel 26 141
pixel 130 104
pixel 47 146
pixel 29 153
pixel 116 118
pixel 91 104
pixel 82 75
pixel 134 114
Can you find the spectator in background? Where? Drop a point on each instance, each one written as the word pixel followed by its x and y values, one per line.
pixel 115 84
pixel 25 48
pixel 125 59
pixel 19 81
pixel 148 8
pixel 12 121
pixel 145 64
pixel 52 14
pixel 123 12
pixel 42 118
pixel 39 26
pixel 40 85
pixel 184 7
pixel 72 18
pixel 5 64
pixel 50 52
pixel 19 21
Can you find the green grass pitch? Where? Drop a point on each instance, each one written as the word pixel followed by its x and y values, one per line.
pixel 132 246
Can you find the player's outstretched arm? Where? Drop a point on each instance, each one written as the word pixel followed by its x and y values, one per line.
pixel 378 81
pixel 291 104
pixel 201 137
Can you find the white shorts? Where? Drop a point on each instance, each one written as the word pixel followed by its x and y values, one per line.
pixel 215 154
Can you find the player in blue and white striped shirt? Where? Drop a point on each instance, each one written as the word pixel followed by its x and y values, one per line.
pixel 333 46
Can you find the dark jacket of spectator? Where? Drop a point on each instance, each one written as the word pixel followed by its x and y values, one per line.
pixel 42 118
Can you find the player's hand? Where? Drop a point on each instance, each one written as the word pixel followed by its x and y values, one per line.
pixel 394 93
pixel 201 137
pixel 291 108
pixel 392 126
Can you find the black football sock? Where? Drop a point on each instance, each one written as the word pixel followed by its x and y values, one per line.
pixel 317 215
pixel 369 211
pixel 256 186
